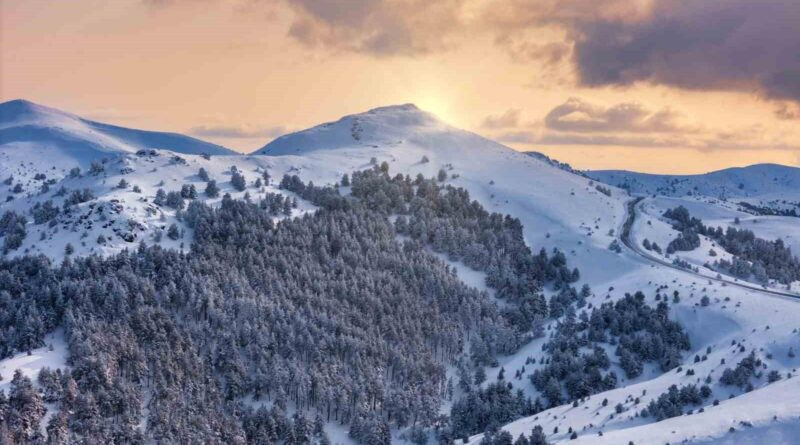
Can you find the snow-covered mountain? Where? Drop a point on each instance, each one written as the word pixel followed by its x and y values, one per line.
pixel 557 208
pixel 739 182
pixel 32 133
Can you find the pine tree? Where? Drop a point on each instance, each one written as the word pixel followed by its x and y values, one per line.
pixel 172 232
pixel 480 375
pixel 57 429
pixel 26 409
pixel 238 181
pixel 212 191
pixel 161 197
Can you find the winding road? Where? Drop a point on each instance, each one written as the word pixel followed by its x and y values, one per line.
pixel 625 238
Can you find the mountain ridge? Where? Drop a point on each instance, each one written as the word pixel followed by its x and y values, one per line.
pixel 23 121
pixel 751 180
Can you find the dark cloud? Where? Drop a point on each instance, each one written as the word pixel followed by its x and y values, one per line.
pixel 577 115
pixel 697 44
pixel 236 132
pixel 510 118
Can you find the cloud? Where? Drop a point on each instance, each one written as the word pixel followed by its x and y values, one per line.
pixel 734 45
pixel 577 115
pixel 706 142
pixel 627 124
pixel 377 27
pixel 712 141
pixel 518 137
pixel 612 140
pixel 731 45
pixel 510 118
pixel 788 111
pixel 236 131
pixel 548 54
pixel 697 44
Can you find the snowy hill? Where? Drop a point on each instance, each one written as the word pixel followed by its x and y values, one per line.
pixel 740 182
pixel 391 125
pixel 32 133
pixel 22 121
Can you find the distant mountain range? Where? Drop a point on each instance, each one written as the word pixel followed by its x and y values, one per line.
pixel 735 182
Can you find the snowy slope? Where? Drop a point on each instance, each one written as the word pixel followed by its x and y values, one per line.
pixel 722 214
pixel 755 180
pixel 714 213
pixel 40 145
pixel 125 216
pixel 554 162
pixel 33 136
pixel 761 323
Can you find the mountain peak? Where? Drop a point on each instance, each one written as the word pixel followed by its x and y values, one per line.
pixel 392 108
pixel 17 103
pixel 381 126
pixel 22 109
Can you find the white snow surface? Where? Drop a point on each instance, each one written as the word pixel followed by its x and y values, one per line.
pixel 556 207
pixel 30 365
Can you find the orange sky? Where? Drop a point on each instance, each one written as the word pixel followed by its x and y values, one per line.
pixel 239 72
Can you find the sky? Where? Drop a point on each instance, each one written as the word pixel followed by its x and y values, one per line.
pixel 663 86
